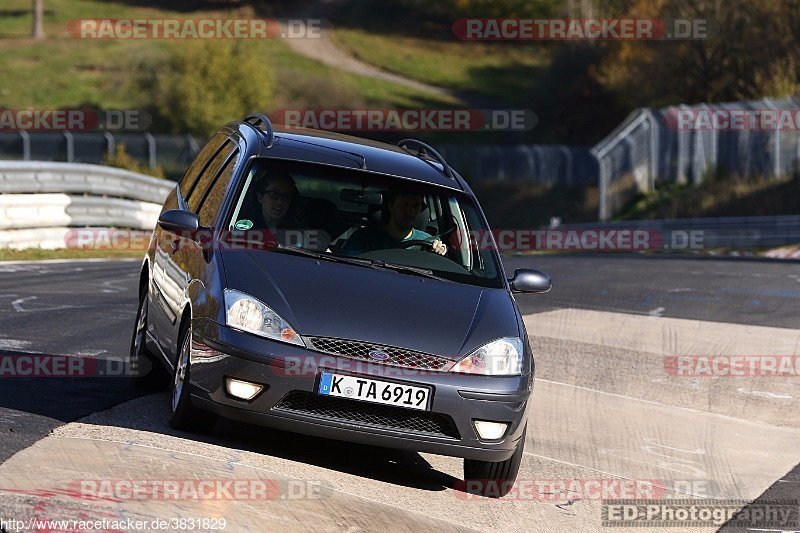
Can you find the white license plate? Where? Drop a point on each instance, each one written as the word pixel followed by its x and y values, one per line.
pixel 375 391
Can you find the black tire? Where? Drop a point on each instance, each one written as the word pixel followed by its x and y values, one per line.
pixel 493 480
pixel 185 416
pixel 147 370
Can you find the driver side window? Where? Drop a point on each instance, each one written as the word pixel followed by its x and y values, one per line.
pixel 199 163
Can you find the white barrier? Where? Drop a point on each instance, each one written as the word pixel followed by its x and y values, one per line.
pixel 37 209
pixel 46 238
pixel 21 211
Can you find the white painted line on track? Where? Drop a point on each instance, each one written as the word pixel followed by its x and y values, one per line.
pixel 666 406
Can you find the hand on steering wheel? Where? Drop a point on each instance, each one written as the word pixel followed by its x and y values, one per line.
pixel 436 246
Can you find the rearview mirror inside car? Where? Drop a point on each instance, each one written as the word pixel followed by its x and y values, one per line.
pixel 362 197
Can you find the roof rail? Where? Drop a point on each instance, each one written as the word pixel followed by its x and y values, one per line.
pixel 259 118
pixel 428 150
pixel 362 164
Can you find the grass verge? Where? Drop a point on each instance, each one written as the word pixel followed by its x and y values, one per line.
pixel 718 197
pixel 62 71
pixel 33 254
pixel 496 71
pixel 519 205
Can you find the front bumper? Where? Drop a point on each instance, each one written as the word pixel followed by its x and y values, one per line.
pixel 289 400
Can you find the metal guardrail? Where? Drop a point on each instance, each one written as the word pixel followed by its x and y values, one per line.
pixel 18 211
pixel 48 177
pixel 41 201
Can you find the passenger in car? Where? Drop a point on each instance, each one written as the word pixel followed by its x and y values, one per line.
pixel 278 196
pixel 404 207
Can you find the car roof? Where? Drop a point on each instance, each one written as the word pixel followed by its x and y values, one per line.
pixel 346 150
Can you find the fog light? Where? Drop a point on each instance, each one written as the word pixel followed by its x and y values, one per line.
pixel 242 389
pixel 490 430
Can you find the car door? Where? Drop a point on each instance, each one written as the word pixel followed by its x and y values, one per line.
pixel 163 287
pixel 187 261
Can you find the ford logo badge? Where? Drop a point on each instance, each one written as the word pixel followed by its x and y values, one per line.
pixel 378 355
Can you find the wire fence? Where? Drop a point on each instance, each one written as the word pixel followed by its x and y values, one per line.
pixel 547 164
pixel 172 153
pixel 687 144
pixel 683 144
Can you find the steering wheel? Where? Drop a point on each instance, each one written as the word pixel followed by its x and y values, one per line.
pixel 416 242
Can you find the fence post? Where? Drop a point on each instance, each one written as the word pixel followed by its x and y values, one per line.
pixel 654 149
pixel 680 176
pixel 776 139
pixel 26 145
pixel 602 181
pixel 151 150
pixel 70 147
pixel 568 165
pixel 111 144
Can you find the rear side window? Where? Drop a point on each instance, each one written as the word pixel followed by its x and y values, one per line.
pixel 207 176
pixel 216 194
pixel 200 162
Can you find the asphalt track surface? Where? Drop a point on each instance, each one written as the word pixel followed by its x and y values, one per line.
pixel 604 409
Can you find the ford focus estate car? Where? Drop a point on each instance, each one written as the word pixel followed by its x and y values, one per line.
pixel 333 286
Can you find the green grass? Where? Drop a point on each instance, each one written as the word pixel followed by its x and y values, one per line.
pixel 32 254
pixel 501 71
pixel 62 71
pixel 521 204
pixel 717 197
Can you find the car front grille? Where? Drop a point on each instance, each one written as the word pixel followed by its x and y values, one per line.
pixel 368 414
pixel 397 356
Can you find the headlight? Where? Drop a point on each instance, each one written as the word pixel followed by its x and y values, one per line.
pixel 248 314
pixel 502 357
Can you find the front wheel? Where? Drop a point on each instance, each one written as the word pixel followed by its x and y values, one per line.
pixel 148 372
pixel 185 416
pixel 493 480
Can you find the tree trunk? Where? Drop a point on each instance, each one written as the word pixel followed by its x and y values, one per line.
pixel 38 19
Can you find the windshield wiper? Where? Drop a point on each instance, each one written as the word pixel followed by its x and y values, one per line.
pixel 377 263
pixel 323 256
pixel 371 263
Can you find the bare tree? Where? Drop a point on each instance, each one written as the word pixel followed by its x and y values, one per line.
pixel 38 19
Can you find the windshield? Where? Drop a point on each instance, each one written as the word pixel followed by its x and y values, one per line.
pixel 343 213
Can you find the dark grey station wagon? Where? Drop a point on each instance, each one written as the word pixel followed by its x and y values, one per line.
pixel 334 286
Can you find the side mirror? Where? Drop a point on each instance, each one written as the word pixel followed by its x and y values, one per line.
pixel 531 281
pixel 179 221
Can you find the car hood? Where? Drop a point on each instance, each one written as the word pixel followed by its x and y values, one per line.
pixel 327 299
